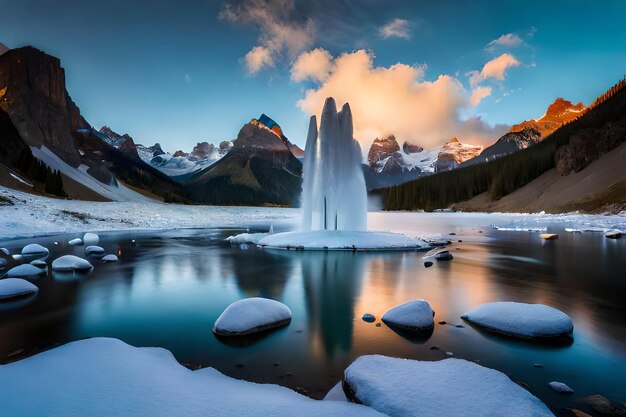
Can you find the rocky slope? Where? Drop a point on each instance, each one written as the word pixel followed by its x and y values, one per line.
pixel 560 112
pixel 454 153
pixel 259 169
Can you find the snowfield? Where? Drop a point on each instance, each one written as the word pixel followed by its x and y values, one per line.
pixel 106 377
pixel 32 215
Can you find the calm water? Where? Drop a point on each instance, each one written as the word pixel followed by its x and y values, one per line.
pixel 168 289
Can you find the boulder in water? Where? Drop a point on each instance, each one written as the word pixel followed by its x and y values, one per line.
pixel 70 263
pixel 94 250
pixel 25 271
pixel 76 242
pixel 369 318
pixel 416 316
pixel 252 315
pixel 109 258
pixel 91 239
pixel 15 287
pixel 613 234
pixel 549 236
pixel 560 387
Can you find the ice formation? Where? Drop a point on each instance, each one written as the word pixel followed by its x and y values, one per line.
pixel 334 196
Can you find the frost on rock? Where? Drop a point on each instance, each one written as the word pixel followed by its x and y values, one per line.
pixel 102 377
pixel 521 319
pixel 69 263
pixel 76 242
pixel 252 315
pixel 341 240
pixel 15 287
pixel 109 258
pixel 94 250
pixel 25 271
pixel 450 387
pixel 416 315
pixel 91 239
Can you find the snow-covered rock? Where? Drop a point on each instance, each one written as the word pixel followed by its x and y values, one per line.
pixel 109 258
pixel 15 287
pixel 252 315
pixel 336 393
pixel 25 271
pixel 341 240
pixel 244 238
pixel 5 251
pixel 35 249
pixel 69 263
pixel 76 242
pixel 102 377
pixel 91 239
pixel 450 387
pixel 443 255
pixel 613 234
pixel 416 315
pixel 560 387
pixel 94 250
pixel 521 319
pixel 39 263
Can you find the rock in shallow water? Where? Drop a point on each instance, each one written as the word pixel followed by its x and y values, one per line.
pixel 443 256
pixel 521 319
pixel 252 315
pixel 416 315
pixel 450 387
pixel 91 239
pixel 369 318
pixel 69 263
pixel 109 258
pixel 560 387
pixel 76 242
pixel 15 287
pixel 549 236
pixel 25 271
pixel 94 250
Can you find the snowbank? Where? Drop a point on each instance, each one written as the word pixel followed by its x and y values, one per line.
pixel 252 315
pixel 341 240
pixel 416 315
pixel 32 215
pixel 105 377
pixel 521 319
pixel 244 238
pixel 450 387
pixel 15 287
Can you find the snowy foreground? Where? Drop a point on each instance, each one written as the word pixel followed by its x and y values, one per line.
pixel 106 377
pixel 31 215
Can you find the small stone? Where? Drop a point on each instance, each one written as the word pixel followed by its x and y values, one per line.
pixel 460 241
pixel 378 324
pixel 239 366
pixel 560 387
pixel 537 365
pixel 369 318
pixel 549 236
pixel 428 264
pixel 449 353
pixel 443 256
pixel 443 322
pixel 288 374
pixel 452 233
pixel 459 326
pixel 276 363
pixel 434 348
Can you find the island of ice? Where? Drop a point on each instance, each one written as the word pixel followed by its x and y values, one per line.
pixel 252 315
pixel 521 319
pixel 102 377
pixel 416 315
pixel 15 287
pixel 450 387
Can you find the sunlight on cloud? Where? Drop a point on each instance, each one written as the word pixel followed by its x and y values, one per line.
pixel 279 31
pixel 509 40
pixel 314 65
pixel 397 28
pixel 496 69
pixel 397 100
pixel 479 94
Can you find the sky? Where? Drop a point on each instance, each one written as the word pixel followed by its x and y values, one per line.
pixel 182 72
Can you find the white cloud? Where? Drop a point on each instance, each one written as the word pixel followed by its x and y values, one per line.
pixel 314 65
pixel 397 28
pixel 397 100
pixel 279 32
pixel 187 78
pixel 478 94
pixel 509 40
pixel 496 69
pixel 258 58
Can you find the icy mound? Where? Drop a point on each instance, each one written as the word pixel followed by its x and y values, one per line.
pixel 521 319
pixel 15 287
pixel 25 271
pixel 69 263
pixel 451 387
pixel 252 315
pixel 242 238
pixel 341 240
pixel 94 250
pixel 109 258
pixel 416 315
pixel 105 377
pixel 91 239
pixel 76 242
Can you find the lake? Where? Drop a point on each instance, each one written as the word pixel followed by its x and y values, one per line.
pixel 169 287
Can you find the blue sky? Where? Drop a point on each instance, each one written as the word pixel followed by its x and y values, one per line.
pixel 177 73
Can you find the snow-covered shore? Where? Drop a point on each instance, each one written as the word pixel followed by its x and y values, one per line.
pixel 31 215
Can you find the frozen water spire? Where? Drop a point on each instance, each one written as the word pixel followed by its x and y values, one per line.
pixel 334 196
